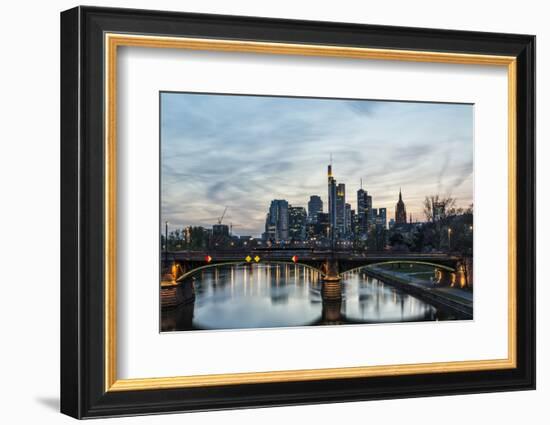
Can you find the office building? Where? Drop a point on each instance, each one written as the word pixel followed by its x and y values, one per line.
pixel 341 209
pixel 314 207
pixel 297 223
pixel 276 224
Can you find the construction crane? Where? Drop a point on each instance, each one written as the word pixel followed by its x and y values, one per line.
pixel 223 215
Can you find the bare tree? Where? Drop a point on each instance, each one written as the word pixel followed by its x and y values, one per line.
pixel 430 202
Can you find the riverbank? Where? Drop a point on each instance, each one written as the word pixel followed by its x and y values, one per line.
pixel 454 299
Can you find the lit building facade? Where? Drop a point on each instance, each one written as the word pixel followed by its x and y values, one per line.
pixel 341 210
pixel 381 217
pixel 348 220
pixel 297 223
pixel 364 211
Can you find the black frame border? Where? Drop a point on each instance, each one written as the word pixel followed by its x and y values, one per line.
pixel 82 212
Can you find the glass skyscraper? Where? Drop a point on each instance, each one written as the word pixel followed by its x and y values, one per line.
pixel 314 207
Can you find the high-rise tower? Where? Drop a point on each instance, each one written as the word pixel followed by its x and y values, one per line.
pixel 348 220
pixel 331 201
pixel 364 210
pixel 276 225
pixel 314 207
pixel 296 223
pixel 341 209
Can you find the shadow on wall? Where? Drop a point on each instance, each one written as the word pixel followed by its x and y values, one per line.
pixel 49 402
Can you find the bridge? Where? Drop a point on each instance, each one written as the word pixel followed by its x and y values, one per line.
pixel 330 264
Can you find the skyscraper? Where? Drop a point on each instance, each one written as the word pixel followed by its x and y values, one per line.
pixel 297 223
pixel 400 211
pixel 381 218
pixel 314 207
pixel 364 210
pixel 341 209
pixel 270 229
pixel 319 230
pixel 276 224
pixel 348 220
pixel 361 208
pixel 331 202
pixel 368 211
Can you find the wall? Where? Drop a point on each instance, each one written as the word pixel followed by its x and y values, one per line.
pixel 29 172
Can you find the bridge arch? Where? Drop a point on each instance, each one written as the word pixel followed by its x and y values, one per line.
pixel 425 263
pixel 244 263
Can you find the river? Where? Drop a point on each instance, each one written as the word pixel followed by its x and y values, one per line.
pixel 286 295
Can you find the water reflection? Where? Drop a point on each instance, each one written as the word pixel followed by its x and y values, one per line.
pixel 281 295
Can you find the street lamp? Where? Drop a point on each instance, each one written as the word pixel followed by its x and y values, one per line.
pixel 166 243
pixel 449 231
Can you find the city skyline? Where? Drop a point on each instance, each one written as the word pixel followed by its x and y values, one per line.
pixel 211 159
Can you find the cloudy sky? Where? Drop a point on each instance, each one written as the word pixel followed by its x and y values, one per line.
pixel 244 151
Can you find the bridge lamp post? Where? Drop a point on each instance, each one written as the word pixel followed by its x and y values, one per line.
pixel 449 231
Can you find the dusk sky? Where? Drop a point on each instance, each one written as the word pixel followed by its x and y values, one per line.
pixel 244 151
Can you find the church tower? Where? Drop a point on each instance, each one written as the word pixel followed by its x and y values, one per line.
pixel 400 211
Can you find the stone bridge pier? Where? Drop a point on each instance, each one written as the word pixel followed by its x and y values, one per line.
pixel 332 282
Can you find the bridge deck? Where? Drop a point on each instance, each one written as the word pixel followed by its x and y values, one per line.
pixel 308 255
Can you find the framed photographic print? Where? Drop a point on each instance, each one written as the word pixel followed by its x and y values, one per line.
pixel 261 212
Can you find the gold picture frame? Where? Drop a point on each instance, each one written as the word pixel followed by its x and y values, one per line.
pixel 114 41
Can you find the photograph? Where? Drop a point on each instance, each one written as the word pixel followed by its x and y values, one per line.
pixel 295 208
pixel 284 211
